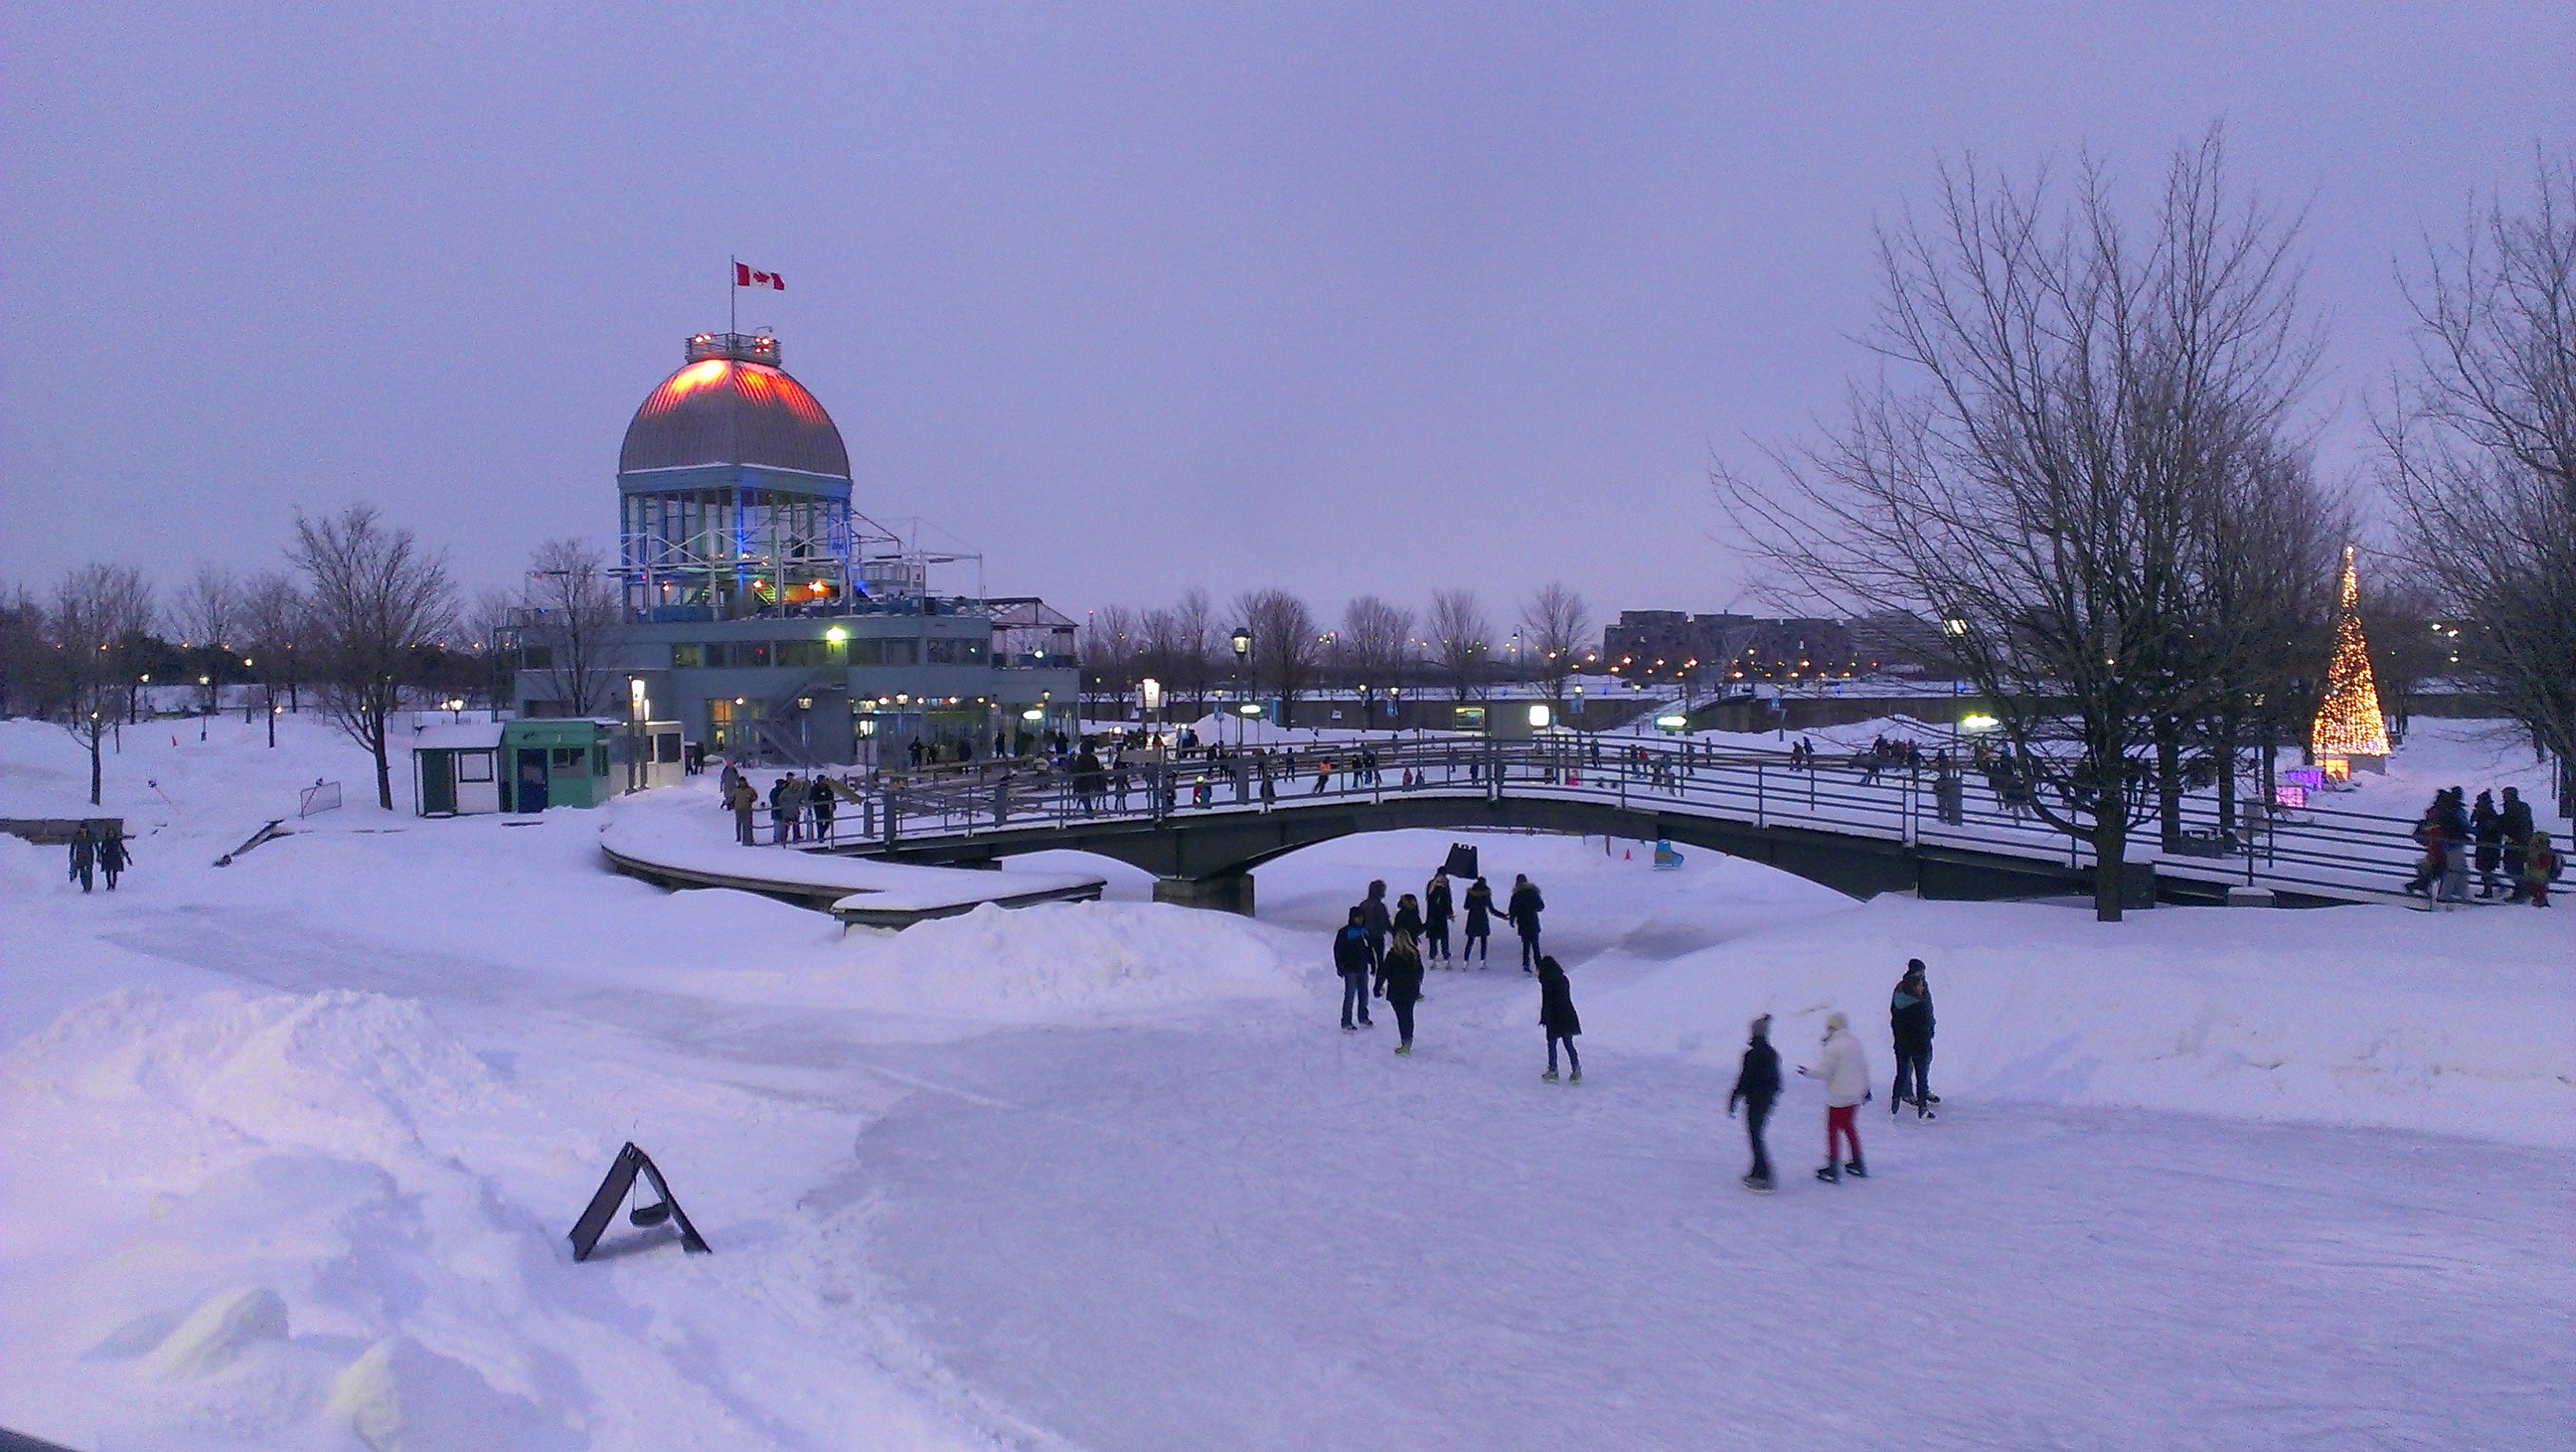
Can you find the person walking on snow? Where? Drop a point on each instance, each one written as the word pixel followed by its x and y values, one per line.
pixel 1909 1021
pixel 1757 1085
pixel 1556 1015
pixel 1480 924
pixel 740 797
pixel 1352 960
pixel 2513 818
pixel 2486 824
pixel 1846 1076
pixel 1436 912
pixel 1400 977
pixel 84 856
pixel 1525 907
pixel 113 859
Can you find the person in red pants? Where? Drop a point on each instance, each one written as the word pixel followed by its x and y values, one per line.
pixel 1846 1076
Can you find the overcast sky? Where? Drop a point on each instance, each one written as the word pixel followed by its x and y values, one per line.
pixel 1340 298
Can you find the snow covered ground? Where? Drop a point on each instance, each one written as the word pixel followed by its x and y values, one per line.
pixel 289 1149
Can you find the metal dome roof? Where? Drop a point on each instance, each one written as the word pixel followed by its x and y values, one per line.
pixel 727 410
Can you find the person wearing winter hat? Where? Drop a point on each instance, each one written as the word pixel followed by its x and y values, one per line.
pixel 1846 1076
pixel 1909 1019
pixel 1757 1084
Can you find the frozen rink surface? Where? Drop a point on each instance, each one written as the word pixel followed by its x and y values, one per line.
pixel 1159 1240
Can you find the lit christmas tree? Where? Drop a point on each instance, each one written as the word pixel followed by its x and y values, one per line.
pixel 2348 723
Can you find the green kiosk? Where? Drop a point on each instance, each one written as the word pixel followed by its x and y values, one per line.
pixel 554 762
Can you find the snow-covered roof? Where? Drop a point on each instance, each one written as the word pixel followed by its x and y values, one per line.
pixel 458 736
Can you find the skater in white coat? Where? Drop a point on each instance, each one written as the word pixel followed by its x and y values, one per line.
pixel 1846 1076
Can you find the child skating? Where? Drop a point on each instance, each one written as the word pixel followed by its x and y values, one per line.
pixel 1846 1077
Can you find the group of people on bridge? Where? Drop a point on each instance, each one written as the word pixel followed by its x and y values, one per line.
pixel 2514 862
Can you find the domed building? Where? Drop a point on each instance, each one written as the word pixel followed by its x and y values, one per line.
pixel 734 488
pixel 767 616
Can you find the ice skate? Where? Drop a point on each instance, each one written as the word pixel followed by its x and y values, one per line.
pixel 1574 1078
pixel 1855 1169
pixel 1405 1050
pixel 1758 1184
pixel 1548 1078
pixel 1829 1174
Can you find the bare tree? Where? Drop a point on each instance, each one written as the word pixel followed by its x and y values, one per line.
pixel 1461 639
pixel 2071 407
pixel 580 617
pixel 1377 640
pixel 1558 621
pixel 377 600
pixel 1192 637
pixel 2410 643
pixel 207 618
pixel 100 616
pixel 274 627
pixel 1108 648
pixel 2481 454
pixel 1284 645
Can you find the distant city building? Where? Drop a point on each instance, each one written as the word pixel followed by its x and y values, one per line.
pixel 768 616
pixel 1721 650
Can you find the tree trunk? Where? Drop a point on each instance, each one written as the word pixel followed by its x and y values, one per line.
pixel 2227 726
pixel 2111 856
pixel 94 764
pixel 268 698
pixel 2169 782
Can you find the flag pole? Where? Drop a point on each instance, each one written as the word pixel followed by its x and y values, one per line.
pixel 733 271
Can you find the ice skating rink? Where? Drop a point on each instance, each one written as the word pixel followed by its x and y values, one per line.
pixel 289 1150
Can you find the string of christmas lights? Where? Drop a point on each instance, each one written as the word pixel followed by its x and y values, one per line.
pixel 2348 721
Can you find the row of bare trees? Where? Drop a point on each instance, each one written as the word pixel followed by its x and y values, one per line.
pixel 2085 455
pixel 359 616
pixel 1291 652
pixel 2480 454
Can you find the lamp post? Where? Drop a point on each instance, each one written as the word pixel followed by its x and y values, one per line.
pixel 635 715
pixel 1241 640
pixel 202 683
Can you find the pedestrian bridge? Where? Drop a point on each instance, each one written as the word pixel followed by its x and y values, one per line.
pixel 1201 825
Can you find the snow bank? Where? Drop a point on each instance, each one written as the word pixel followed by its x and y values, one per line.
pixel 1069 963
pixel 2461 1023
pixel 680 829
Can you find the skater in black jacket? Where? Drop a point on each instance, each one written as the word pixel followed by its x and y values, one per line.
pixel 1909 1021
pixel 1437 909
pixel 1353 960
pixel 1757 1084
pixel 1401 975
pixel 1523 913
pixel 1556 1015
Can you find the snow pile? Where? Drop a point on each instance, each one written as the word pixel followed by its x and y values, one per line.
pixel 2458 1023
pixel 1070 962
pixel 275 1185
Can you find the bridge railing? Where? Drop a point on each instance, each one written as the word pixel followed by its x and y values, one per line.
pixel 2312 850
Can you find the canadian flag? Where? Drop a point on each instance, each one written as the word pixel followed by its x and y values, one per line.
pixel 743 276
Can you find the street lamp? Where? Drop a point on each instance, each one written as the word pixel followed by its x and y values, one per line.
pixel 635 753
pixel 1241 640
pixel 202 682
